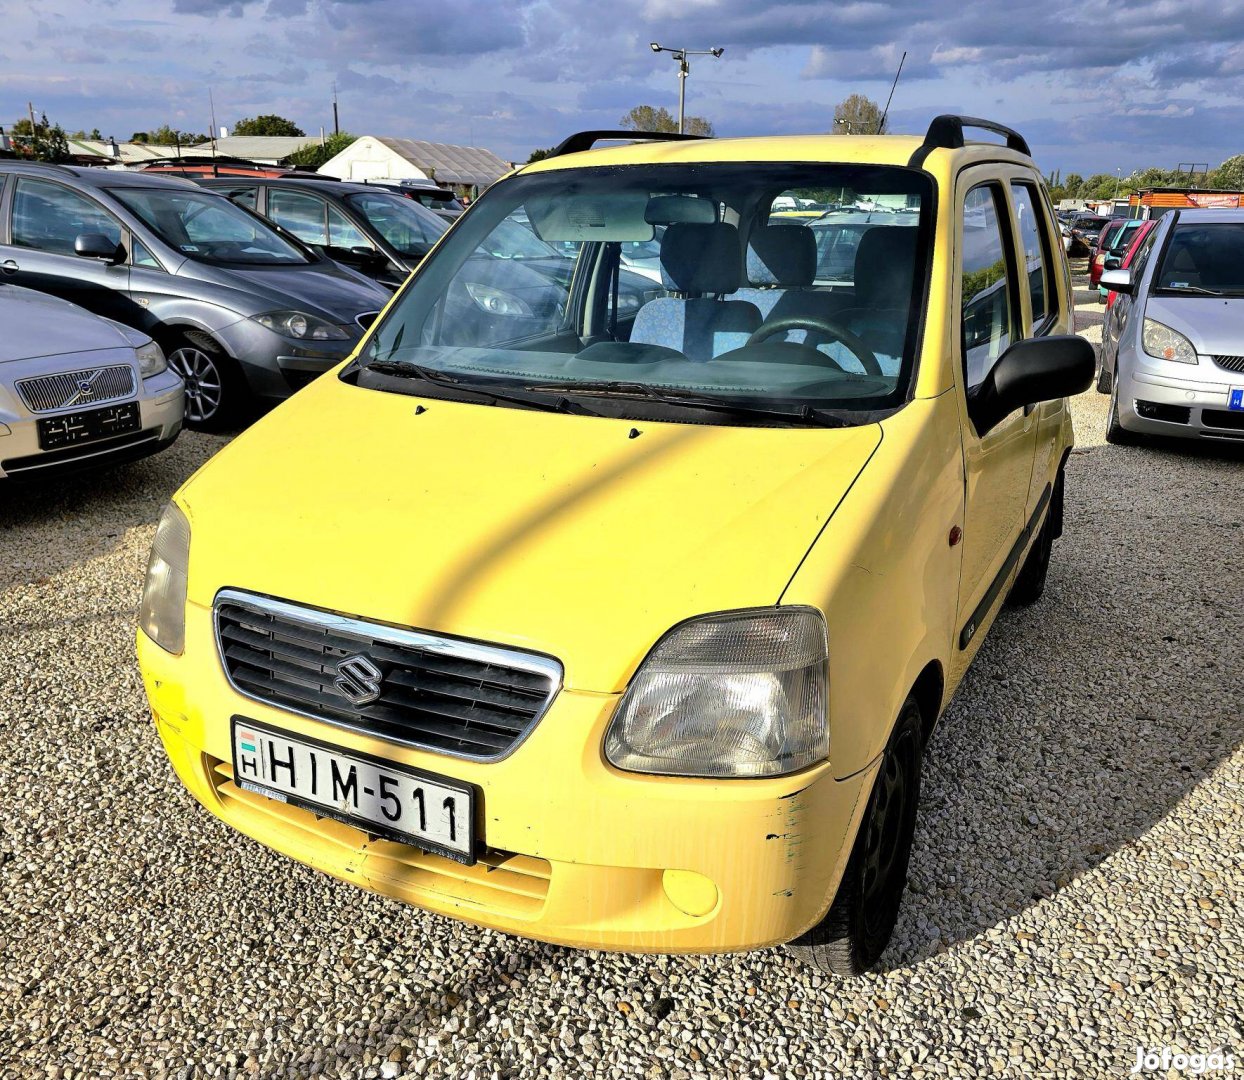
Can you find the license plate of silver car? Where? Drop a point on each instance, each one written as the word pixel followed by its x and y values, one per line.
pixel 383 798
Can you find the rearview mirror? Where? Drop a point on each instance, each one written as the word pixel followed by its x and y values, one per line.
pixel 1119 281
pixel 1033 370
pixel 98 246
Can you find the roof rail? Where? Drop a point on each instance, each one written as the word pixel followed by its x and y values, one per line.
pixel 70 169
pixel 585 140
pixel 946 132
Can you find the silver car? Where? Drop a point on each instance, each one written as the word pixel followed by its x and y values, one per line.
pixel 78 391
pixel 1173 342
pixel 243 311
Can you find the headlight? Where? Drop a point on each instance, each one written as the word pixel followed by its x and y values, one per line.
pixel 1163 343
pixel 497 301
pixel 297 324
pixel 150 359
pixel 162 615
pixel 732 695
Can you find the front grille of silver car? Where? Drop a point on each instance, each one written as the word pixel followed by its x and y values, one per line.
pixel 1231 363
pixel 457 697
pixel 90 386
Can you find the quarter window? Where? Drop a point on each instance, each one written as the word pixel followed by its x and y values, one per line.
pixel 987 321
pixel 1034 246
pixel 49 217
pixel 140 256
pixel 343 233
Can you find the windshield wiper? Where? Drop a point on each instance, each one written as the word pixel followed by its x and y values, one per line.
pixel 690 399
pixel 404 369
pixel 1192 288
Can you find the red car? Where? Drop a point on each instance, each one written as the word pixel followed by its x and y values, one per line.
pixel 1114 239
pixel 1133 240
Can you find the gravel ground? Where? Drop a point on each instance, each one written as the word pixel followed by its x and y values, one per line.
pixel 1077 883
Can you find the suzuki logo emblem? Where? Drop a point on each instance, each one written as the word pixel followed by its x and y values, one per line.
pixel 358 680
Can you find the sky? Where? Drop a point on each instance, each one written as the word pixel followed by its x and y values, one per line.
pixel 1095 85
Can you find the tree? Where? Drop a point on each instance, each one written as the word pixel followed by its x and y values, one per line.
pixel 317 154
pixel 1230 174
pixel 539 155
pixel 42 140
pixel 647 118
pixel 268 124
pixel 858 115
pixel 1073 185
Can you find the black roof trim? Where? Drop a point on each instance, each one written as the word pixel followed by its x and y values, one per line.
pixel 585 140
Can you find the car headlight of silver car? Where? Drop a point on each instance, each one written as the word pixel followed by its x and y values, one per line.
pixel 150 359
pixel 298 324
pixel 1163 343
pixel 736 694
pixel 162 614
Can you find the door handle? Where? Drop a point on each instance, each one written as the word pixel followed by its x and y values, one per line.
pixel 9 266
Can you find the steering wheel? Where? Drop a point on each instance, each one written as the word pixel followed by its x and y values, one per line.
pixel 829 330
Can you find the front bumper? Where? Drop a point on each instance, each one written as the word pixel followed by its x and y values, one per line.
pixel 161 404
pixel 1190 403
pixel 571 850
pixel 276 366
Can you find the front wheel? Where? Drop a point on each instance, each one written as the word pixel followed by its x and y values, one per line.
pixel 1116 433
pixel 215 388
pixel 857 927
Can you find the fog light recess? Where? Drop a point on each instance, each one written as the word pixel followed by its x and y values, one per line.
pixel 692 893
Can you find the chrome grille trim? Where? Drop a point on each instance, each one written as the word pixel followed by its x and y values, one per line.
pixel 89 386
pixel 1231 363
pixel 461 698
pixel 364 319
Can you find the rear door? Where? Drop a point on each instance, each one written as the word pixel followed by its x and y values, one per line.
pixel 997 465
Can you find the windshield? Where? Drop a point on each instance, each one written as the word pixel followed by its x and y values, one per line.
pixel 404 224
pixel 210 228
pixel 1203 258
pixel 534 289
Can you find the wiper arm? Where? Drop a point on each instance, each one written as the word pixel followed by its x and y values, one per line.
pixel 690 399
pixel 404 369
pixel 1193 288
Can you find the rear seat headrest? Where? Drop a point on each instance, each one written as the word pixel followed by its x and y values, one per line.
pixel 701 258
pixel 782 254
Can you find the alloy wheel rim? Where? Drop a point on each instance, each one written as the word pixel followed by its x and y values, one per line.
pixel 204 387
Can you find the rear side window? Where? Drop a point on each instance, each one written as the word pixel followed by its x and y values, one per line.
pixel 1034 249
pixel 986 318
pixel 50 217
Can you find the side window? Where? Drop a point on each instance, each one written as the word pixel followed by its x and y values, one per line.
pixel 50 217
pixel 243 196
pixel 1141 258
pixel 987 322
pixel 140 256
pixel 301 214
pixel 1035 249
pixel 343 233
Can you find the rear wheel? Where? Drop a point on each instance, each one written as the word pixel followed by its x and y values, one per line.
pixel 857 927
pixel 215 388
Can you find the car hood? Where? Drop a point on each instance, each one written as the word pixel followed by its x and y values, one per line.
pixel 319 289
pixel 36 324
pixel 568 535
pixel 1214 325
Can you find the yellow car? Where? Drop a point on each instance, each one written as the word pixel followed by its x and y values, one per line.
pixel 623 623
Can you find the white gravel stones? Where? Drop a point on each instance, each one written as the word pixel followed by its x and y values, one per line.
pixel 1077 884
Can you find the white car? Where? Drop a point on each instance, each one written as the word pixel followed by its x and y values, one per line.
pixel 78 391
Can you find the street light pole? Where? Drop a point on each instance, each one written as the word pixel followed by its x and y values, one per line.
pixel 684 69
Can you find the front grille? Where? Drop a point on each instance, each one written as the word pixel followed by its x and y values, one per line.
pixel 1219 418
pixel 1231 363
pixel 90 386
pixel 457 697
pixel 500 881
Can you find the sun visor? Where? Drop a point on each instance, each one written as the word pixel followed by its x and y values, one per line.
pixel 675 209
pixel 574 218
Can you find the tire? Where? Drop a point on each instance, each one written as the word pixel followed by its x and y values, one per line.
pixel 1104 379
pixel 216 395
pixel 1116 433
pixel 1029 583
pixel 857 927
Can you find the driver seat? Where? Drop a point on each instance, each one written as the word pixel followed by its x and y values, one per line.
pixel 698 258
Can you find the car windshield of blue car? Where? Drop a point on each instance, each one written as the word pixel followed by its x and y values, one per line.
pixel 408 227
pixel 655 281
pixel 209 228
pixel 1201 259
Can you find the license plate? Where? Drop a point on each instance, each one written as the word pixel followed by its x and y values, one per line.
pixel 1235 398
pixel 69 429
pixel 394 801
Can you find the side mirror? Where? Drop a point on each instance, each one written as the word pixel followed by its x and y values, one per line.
pixel 1112 262
pixel 98 246
pixel 1119 281
pixel 1033 370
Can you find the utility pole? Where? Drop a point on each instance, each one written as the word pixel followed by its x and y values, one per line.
pixel 336 125
pixel 684 69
